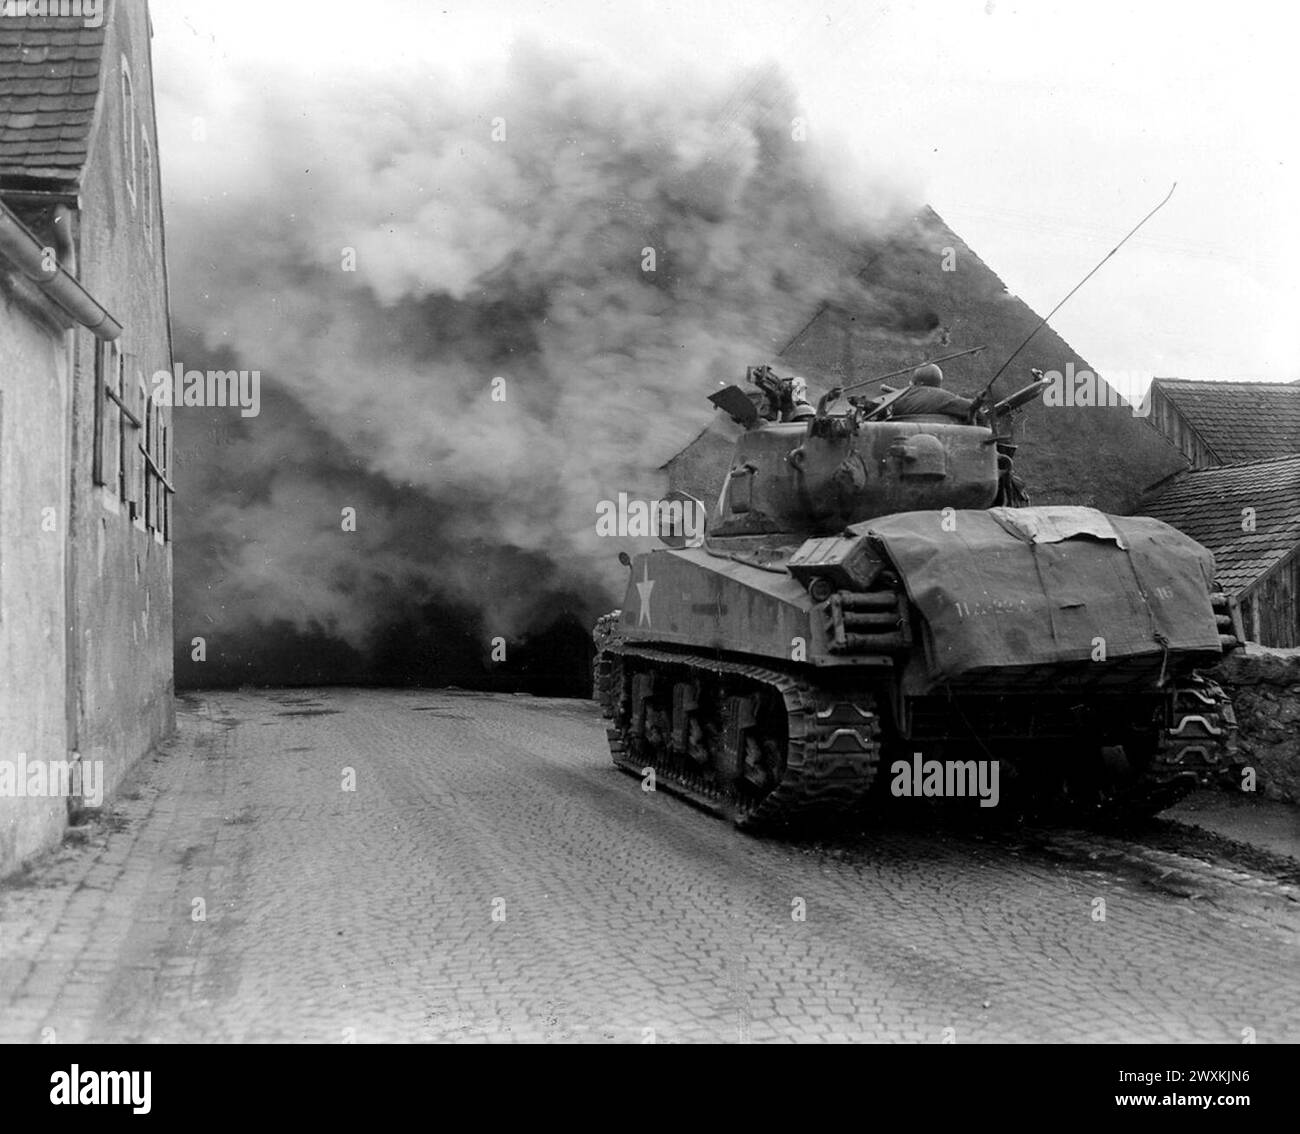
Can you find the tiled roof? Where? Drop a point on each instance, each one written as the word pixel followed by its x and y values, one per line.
pixel 1208 505
pixel 1240 421
pixel 49 82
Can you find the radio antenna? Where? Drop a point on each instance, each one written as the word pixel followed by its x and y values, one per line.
pixel 1043 321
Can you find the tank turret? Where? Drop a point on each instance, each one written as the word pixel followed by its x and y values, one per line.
pixel 829 469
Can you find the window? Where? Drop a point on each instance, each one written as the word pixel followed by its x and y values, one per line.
pixel 100 471
pixel 135 479
pixel 151 448
pixel 116 424
pixel 132 443
pixel 148 449
pixel 155 456
pixel 146 186
pixel 167 500
pixel 113 419
pixel 126 422
pixel 128 130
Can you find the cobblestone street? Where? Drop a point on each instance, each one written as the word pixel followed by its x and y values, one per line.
pixel 494 877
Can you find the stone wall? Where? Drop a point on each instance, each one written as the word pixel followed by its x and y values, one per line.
pixel 1264 685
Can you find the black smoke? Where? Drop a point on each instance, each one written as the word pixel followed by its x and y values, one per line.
pixel 445 292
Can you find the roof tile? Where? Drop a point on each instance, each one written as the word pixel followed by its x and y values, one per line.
pixel 1240 421
pixel 1210 506
pixel 49 84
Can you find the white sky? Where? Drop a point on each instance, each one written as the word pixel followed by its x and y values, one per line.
pixel 1042 131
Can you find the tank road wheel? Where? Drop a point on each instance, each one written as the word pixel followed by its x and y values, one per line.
pixel 753 749
pixel 762 747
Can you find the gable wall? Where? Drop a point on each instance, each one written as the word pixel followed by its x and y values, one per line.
pixel 122 571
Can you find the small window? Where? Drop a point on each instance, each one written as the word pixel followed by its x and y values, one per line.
pixel 128 130
pixel 126 419
pixel 154 456
pixel 107 415
pixel 115 422
pixel 168 490
pixel 146 186
pixel 119 427
pixel 138 482
pixel 150 441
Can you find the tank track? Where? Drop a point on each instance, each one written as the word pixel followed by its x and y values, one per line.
pixel 832 749
pixel 1194 750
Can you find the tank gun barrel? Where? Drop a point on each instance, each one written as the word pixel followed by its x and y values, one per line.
pixel 1023 396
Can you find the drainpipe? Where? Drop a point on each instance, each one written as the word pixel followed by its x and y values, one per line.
pixel 30 256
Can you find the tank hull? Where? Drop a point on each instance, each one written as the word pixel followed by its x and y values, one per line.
pixel 1063 639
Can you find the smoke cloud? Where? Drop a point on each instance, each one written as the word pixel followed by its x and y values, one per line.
pixel 446 289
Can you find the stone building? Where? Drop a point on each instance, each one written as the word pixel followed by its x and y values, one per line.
pixel 85 508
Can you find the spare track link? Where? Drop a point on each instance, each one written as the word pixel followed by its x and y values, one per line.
pixel 1202 738
pixel 832 752
pixel 1192 752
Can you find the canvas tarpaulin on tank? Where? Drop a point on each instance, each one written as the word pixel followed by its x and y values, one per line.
pixel 1041 586
pixel 1051 524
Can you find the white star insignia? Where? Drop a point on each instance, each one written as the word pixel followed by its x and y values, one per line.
pixel 643 589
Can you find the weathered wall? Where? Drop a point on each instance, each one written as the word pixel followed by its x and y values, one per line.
pixel 1271 608
pixel 33 478
pixel 122 569
pixel 1168 421
pixel 1265 690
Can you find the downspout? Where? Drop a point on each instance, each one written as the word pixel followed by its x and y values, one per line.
pixel 66 235
pixel 41 266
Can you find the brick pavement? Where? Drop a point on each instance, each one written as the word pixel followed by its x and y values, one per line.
pixel 493 879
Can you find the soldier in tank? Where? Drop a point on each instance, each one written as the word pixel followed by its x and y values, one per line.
pixel 925 395
pixel 801 409
pixel 828 399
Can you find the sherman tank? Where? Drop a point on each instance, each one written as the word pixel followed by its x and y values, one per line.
pixel 873 586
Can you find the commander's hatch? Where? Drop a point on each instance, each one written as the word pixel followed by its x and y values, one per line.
pixel 736 404
pixel 873 409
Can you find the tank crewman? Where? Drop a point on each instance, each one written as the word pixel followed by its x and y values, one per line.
pixel 801 409
pixel 828 399
pixel 925 395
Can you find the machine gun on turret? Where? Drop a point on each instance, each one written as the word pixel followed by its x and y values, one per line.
pixel 777 399
pixel 784 399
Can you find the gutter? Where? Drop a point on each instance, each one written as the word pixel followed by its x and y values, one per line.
pixel 29 255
